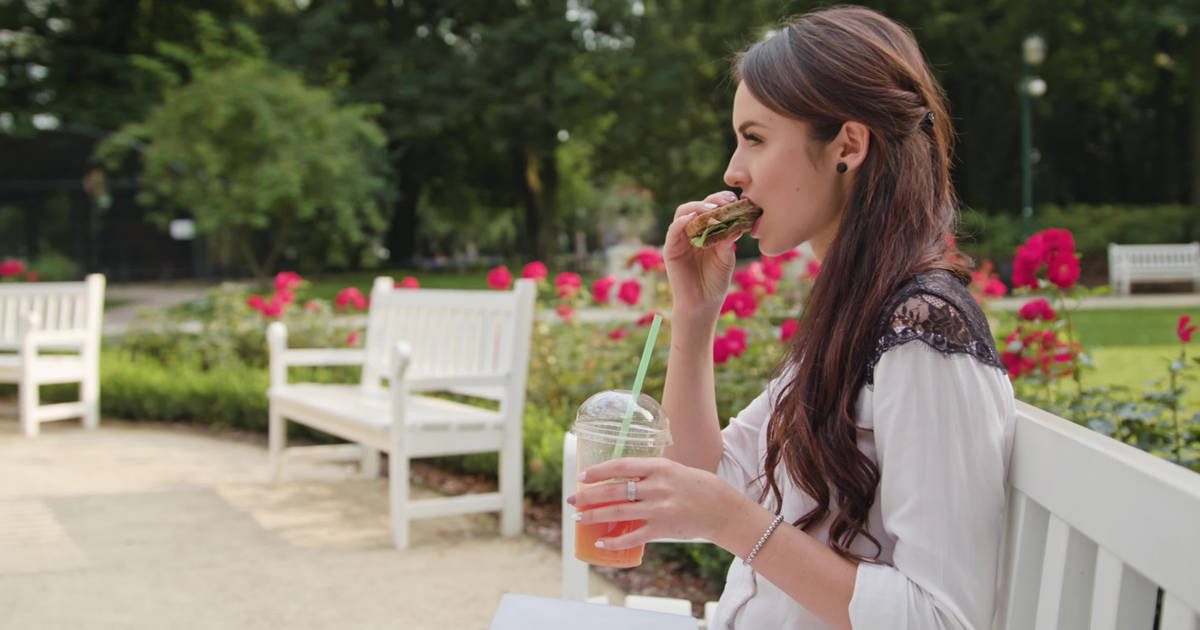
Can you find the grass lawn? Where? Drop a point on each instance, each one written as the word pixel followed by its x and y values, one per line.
pixel 1129 347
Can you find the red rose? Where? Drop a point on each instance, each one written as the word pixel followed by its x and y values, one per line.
pixel 1063 270
pixel 812 269
pixel 499 278
pixel 350 296
pixel 788 256
pixel 742 303
pixel 567 283
pixel 647 319
pixel 649 259
pixel 535 270
pixel 617 334
pixel 994 288
pixel 287 281
pixel 9 268
pixel 256 302
pixel 630 292
pixel 408 282
pixel 601 289
pixel 1034 310
pixel 565 311
pixel 352 338
pixel 1183 330
pixel 787 329
pixel 772 269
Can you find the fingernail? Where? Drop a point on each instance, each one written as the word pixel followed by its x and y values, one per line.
pixel 599 544
pixel 582 476
pixel 571 500
pixel 710 206
pixel 578 516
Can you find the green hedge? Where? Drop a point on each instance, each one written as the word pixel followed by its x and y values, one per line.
pixel 995 237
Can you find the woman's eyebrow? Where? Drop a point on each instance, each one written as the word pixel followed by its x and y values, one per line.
pixel 746 125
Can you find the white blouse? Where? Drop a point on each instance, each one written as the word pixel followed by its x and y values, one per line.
pixel 943 429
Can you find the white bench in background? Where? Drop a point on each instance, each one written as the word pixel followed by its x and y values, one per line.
pixel 1095 529
pixel 474 343
pixel 1177 262
pixel 50 333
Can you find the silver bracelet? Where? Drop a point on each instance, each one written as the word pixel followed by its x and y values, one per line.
pixel 763 540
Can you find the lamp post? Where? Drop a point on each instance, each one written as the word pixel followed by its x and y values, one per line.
pixel 1033 52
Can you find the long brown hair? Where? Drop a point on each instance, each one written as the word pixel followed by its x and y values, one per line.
pixel 827 67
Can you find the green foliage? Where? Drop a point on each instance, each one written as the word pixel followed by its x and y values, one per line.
pixel 225 331
pixel 995 236
pixel 254 154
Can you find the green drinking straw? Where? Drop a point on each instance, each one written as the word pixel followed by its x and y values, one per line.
pixel 637 386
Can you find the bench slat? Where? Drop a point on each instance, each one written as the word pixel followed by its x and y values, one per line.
pixel 1177 616
pixel 1067 576
pixel 1027 525
pixel 1123 598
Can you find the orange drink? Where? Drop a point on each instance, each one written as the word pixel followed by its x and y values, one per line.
pixel 601 435
pixel 587 535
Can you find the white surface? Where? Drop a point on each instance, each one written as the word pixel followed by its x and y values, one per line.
pixel 52 316
pixel 1166 262
pixel 526 612
pixel 420 340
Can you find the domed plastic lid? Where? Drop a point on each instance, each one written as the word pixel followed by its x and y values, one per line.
pixel 600 417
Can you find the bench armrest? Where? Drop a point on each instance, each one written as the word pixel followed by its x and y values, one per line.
pixel 57 338
pixel 281 357
pixel 451 381
pixel 321 356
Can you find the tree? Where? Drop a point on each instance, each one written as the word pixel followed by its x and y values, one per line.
pixel 253 154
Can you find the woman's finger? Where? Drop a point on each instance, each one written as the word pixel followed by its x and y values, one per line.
pixel 614 513
pixel 625 467
pixel 639 536
pixel 719 198
pixel 609 492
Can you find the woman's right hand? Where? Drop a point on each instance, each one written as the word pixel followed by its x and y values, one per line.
pixel 698 277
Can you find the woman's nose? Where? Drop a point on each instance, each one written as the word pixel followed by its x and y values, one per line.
pixel 735 176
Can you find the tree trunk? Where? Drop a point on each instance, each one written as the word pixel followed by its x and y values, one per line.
pixel 402 230
pixel 540 179
pixel 1193 53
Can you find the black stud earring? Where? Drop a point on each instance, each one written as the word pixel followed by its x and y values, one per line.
pixel 841 167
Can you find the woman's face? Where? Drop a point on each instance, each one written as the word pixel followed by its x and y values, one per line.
pixel 790 176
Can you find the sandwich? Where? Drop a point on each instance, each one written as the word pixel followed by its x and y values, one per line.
pixel 720 224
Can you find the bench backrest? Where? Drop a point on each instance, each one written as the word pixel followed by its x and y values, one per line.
pixel 59 306
pixel 1185 255
pixel 453 333
pixel 1095 528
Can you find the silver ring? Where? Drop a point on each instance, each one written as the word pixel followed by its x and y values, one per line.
pixel 631 491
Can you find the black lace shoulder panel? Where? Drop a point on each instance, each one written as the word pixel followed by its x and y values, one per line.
pixel 935 308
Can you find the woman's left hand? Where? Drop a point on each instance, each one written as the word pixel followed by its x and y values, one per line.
pixel 675 501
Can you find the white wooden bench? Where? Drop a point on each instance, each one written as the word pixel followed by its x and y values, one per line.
pixel 474 343
pixel 50 333
pixel 1095 529
pixel 1174 262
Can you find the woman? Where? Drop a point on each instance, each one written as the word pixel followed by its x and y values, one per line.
pixel 882 445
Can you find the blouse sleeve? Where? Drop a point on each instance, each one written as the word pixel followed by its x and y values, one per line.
pixel 943 432
pixel 741 459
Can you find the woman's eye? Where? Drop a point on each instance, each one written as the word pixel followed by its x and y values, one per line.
pixel 752 139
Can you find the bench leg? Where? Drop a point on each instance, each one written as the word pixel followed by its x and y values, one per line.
pixel 398 497
pixel 369 464
pixel 511 485
pixel 276 441
pixel 27 403
pixel 89 395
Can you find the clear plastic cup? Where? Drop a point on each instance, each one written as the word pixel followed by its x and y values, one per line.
pixel 597 432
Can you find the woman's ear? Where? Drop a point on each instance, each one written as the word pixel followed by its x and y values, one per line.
pixel 852 144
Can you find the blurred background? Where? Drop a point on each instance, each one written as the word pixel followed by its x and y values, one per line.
pixel 154 140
